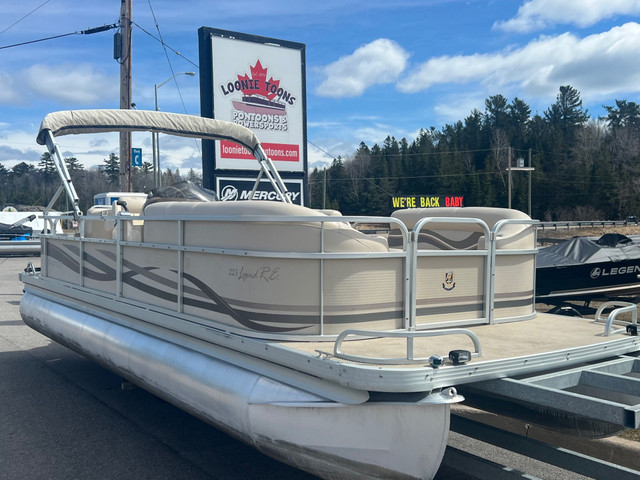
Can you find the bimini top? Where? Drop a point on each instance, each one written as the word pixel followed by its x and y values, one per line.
pixel 96 121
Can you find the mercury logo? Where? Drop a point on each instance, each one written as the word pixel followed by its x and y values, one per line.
pixel 229 193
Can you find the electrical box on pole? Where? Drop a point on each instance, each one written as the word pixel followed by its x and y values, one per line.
pixel 117 46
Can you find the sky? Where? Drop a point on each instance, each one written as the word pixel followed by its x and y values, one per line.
pixel 374 69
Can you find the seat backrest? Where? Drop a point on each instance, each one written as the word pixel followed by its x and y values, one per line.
pixel 461 236
pixel 256 235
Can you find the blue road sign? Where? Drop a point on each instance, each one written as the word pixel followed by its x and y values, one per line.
pixel 136 157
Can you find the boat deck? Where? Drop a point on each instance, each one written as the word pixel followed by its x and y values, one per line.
pixel 542 334
pixel 507 349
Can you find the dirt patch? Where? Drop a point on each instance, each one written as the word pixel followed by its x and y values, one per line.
pixel 564 233
pixel 631 435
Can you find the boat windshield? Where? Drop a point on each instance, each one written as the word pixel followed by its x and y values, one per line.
pixel 182 191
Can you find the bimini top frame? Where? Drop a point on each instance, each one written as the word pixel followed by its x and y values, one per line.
pixel 72 122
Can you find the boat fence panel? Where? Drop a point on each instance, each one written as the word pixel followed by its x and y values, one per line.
pixel 514 257
pixel 269 275
pixel 278 275
pixel 461 273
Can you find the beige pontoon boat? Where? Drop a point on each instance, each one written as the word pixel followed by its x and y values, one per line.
pixel 332 350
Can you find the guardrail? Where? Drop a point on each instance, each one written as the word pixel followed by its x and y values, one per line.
pixel 381 229
pixel 585 224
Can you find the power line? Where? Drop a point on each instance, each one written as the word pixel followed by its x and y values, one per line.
pixel 88 31
pixel 321 149
pixel 164 44
pixel 38 40
pixel 166 54
pixel 18 21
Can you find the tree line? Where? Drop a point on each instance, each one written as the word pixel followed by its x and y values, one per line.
pixel 585 168
pixel 27 185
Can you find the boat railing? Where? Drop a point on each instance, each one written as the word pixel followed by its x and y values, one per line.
pixel 124 221
pixel 495 253
pixel 409 346
pixel 407 256
pixel 630 327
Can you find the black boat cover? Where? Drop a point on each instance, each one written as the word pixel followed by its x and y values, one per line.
pixel 581 250
pixel 17 230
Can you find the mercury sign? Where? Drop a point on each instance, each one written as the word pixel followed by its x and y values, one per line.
pixel 239 188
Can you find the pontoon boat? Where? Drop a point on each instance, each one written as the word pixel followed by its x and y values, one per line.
pixel 332 350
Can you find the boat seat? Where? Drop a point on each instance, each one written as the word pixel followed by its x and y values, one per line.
pixel 98 227
pixel 95 226
pixel 255 235
pixel 463 236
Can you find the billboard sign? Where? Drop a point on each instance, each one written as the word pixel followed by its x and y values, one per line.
pixel 239 188
pixel 258 83
pixel 425 201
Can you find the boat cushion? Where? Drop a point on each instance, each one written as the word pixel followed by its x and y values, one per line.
pixel 302 236
pixel 463 236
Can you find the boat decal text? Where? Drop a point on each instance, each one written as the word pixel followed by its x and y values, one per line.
pixel 598 272
pixel 266 274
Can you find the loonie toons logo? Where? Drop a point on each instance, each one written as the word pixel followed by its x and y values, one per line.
pixel 449 280
pixel 262 103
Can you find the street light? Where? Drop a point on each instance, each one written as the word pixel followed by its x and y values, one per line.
pixel 155 140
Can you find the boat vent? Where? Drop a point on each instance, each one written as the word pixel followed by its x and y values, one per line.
pixel 605 391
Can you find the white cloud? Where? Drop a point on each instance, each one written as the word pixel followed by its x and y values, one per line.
pixel 378 62
pixel 539 14
pixel 317 158
pixel 454 108
pixel 80 84
pixel 598 65
pixel 8 93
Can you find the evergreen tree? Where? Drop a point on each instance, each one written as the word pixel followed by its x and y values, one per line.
pixel 4 180
pixel 73 165
pixel 496 112
pixel 146 168
pixel 111 169
pixel 567 113
pixel 22 169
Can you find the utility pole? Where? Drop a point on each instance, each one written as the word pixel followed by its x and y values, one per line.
pixel 530 181
pixel 520 168
pixel 509 170
pixel 125 94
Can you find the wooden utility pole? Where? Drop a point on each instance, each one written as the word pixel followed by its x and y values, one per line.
pixel 125 94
